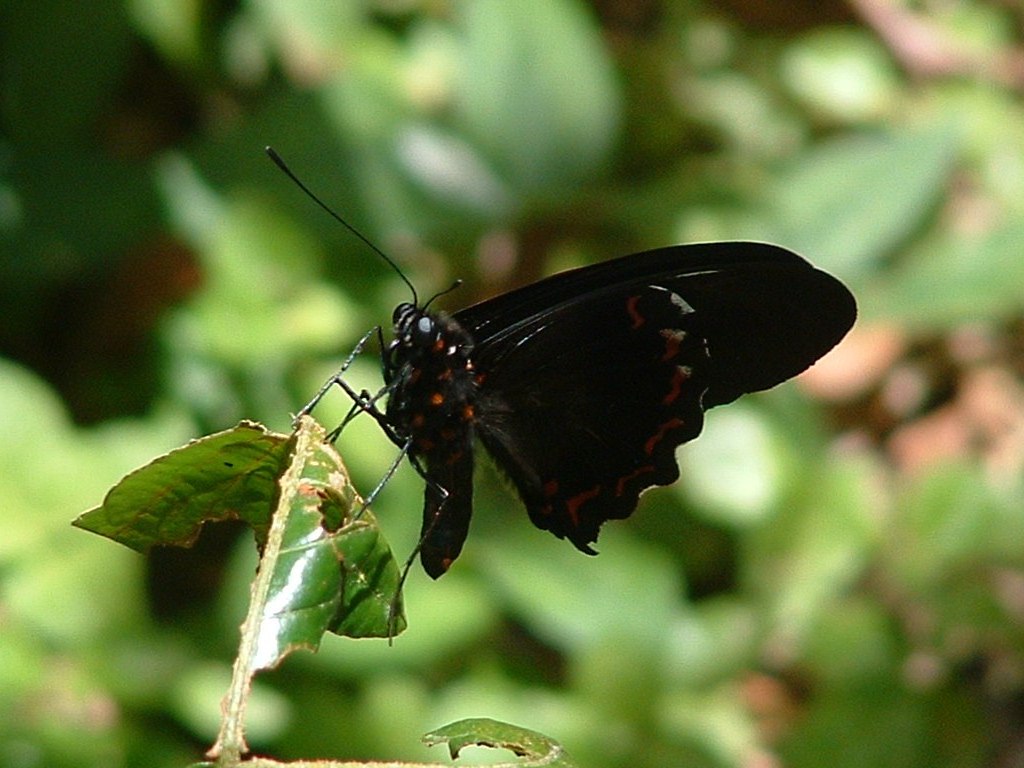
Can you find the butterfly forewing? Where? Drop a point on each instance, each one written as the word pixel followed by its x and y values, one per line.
pixel 767 313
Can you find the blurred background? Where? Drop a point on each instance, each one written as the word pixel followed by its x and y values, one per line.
pixel 838 577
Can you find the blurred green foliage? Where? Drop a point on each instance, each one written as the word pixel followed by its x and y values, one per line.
pixel 838 579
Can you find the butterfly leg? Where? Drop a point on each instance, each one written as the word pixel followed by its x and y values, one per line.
pixel 371 497
pixel 428 529
pixel 337 379
pixel 364 402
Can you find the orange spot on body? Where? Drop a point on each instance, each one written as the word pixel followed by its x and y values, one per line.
pixel 437 399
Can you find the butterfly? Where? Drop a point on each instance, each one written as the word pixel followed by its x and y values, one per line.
pixel 582 385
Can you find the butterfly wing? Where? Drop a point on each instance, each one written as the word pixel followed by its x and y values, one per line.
pixel 767 313
pixel 590 379
pixel 586 411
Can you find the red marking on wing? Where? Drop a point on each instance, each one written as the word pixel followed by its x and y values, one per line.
pixel 636 317
pixel 572 506
pixel 679 378
pixel 658 436
pixel 620 487
pixel 673 340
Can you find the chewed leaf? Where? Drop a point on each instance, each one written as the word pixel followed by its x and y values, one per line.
pixel 535 748
pixel 230 475
pixel 326 571
pixel 322 579
pixel 342 535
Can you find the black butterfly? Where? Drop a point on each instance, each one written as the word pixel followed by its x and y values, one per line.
pixel 582 385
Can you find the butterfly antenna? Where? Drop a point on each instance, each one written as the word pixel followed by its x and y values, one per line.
pixel 280 163
pixel 445 292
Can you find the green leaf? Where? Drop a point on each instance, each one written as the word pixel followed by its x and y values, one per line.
pixel 559 108
pixel 370 581
pixel 843 73
pixel 230 475
pixel 630 591
pixel 332 573
pixel 815 548
pixel 965 278
pixel 535 747
pixel 851 201
pixel 313 547
pixel 298 592
pixel 305 589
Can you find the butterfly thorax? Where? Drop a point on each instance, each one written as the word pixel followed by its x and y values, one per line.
pixel 433 395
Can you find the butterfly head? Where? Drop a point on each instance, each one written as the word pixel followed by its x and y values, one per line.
pixel 414 327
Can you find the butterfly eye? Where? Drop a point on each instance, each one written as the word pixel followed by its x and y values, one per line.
pixel 425 332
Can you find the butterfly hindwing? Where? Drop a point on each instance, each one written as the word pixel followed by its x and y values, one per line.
pixel 588 404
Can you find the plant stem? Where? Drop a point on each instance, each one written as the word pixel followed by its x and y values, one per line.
pixel 230 744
